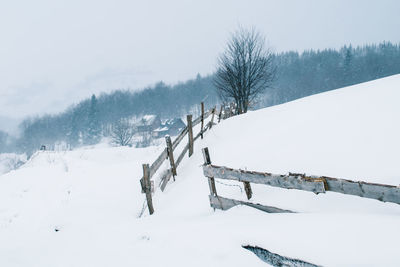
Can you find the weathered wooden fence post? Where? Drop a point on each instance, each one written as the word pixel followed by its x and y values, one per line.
pixel 214 110
pixel 247 188
pixel 211 181
pixel 170 155
pixel 220 114
pixel 202 119
pixel 190 134
pixel 146 187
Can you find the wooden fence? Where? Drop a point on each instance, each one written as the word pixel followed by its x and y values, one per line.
pixel 146 184
pixel 316 184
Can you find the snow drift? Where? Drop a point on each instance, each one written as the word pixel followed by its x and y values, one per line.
pixel 80 208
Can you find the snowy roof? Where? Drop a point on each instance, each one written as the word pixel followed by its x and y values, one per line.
pixel 147 120
pixel 173 121
pixel 163 129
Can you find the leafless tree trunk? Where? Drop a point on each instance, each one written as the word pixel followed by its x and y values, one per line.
pixel 146 139
pixel 122 132
pixel 245 69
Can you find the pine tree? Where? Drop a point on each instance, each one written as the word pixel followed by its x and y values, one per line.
pixel 347 67
pixel 73 134
pixel 93 133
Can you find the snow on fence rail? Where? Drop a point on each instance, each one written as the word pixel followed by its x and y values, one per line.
pixel 149 170
pixel 316 184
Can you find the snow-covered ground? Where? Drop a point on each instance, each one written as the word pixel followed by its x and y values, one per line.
pixel 11 161
pixel 80 208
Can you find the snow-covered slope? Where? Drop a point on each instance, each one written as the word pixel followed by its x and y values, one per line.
pixel 11 161
pixel 80 208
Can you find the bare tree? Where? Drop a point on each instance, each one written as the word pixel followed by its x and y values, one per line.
pixel 146 138
pixel 122 132
pixel 245 69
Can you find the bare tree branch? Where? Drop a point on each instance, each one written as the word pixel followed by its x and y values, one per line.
pixel 122 132
pixel 245 69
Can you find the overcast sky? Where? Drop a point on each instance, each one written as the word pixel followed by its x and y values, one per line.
pixel 54 53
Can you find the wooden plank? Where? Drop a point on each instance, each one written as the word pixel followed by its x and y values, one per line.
pixel 283 181
pixel 170 155
pixel 206 156
pixel 316 184
pixel 146 185
pixel 165 179
pixel 199 134
pixel 179 138
pixel 182 155
pixel 202 119
pixel 220 114
pixel 152 186
pixel 211 186
pixel 247 189
pixel 211 181
pixel 212 118
pixel 198 120
pixel 190 134
pixel 381 192
pixel 218 202
pixel 274 259
pixel 196 137
pixel 158 162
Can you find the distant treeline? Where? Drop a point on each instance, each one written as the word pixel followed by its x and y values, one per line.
pixel 298 75
pixel 312 72
pixel 86 122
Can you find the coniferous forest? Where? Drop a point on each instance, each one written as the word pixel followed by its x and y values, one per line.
pixel 297 75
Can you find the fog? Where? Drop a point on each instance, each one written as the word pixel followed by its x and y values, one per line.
pixel 53 53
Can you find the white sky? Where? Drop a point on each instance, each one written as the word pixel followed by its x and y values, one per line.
pixel 54 53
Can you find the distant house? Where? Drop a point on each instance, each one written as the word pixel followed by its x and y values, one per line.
pixel 170 127
pixel 152 124
pixel 160 132
pixel 148 123
pixel 174 126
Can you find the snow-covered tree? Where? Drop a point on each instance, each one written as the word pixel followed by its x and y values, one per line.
pixel 93 133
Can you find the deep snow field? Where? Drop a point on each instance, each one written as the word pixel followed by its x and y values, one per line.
pixel 11 161
pixel 80 208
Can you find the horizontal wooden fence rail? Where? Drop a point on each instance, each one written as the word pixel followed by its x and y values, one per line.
pixel 218 202
pixel 167 176
pixel 158 162
pixel 316 184
pixel 225 112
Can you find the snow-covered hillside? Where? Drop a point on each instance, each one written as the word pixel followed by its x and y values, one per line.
pixel 80 208
pixel 11 161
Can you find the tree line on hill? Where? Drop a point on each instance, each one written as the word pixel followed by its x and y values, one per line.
pixel 297 75
pixel 312 72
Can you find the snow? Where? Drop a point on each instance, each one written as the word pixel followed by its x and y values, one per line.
pixel 163 129
pixel 92 196
pixel 11 161
pixel 147 120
